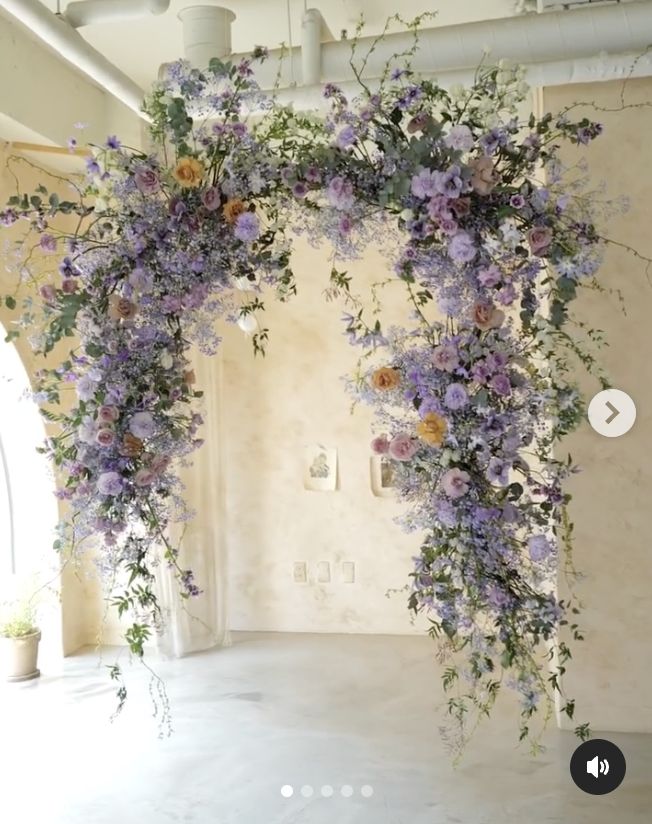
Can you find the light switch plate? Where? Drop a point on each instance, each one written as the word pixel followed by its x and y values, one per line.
pixel 348 572
pixel 300 572
pixel 324 572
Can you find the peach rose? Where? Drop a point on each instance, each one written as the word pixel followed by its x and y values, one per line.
pixel 484 177
pixel 121 308
pixel 540 239
pixel 189 377
pixel 385 378
pixel 189 173
pixel 432 429
pixel 233 209
pixel 486 316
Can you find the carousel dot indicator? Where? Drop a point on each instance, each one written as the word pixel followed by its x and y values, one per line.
pixel 327 791
pixel 307 791
pixel 367 791
pixel 347 791
pixel 287 791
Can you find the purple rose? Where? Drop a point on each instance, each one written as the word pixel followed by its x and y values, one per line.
pixel 456 396
pixel 455 482
pixel 109 483
pixel 491 276
pixel 340 193
pixel 446 357
pixel 501 385
pixel 247 227
pixel 146 180
pixel 461 248
pixel 424 184
pixel 498 472
pixel 539 548
pixel 380 445
pixel 142 425
pixel 211 199
pixel 300 190
pixel 402 447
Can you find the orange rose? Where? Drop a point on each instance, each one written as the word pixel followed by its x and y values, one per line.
pixel 385 378
pixel 432 429
pixel 189 377
pixel 121 308
pixel 189 173
pixel 233 209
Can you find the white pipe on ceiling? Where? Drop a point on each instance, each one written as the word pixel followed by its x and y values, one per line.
pixel 559 73
pixel 532 39
pixel 60 36
pixel 89 12
pixel 311 25
pixel 206 33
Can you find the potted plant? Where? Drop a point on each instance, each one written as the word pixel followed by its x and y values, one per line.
pixel 19 640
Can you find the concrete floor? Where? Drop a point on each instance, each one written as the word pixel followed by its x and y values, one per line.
pixel 278 710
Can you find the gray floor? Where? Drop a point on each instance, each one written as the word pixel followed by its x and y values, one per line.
pixel 275 710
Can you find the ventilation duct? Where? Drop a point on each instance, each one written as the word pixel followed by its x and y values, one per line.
pixel 89 12
pixel 206 33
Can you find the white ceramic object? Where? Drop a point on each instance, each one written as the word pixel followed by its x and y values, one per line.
pixel 18 657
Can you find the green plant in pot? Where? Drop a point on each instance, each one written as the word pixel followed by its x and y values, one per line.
pixel 19 640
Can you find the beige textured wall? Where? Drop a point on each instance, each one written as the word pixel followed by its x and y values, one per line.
pixel 612 668
pixel 273 407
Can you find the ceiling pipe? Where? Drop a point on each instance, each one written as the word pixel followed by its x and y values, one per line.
pixel 311 26
pixel 538 75
pixel 206 33
pixel 89 12
pixel 534 39
pixel 60 36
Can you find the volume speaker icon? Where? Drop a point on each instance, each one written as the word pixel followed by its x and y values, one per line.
pixel 596 768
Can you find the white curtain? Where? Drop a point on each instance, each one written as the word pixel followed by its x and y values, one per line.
pixel 200 623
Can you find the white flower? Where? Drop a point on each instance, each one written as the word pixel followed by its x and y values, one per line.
pixel 166 360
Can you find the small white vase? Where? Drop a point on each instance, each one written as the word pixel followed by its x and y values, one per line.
pixel 18 657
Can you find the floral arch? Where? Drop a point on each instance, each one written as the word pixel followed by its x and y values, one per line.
pixel 470 399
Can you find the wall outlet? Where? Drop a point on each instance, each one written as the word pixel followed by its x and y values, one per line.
pixel 299 572
pixel 324 572
pixel 348 572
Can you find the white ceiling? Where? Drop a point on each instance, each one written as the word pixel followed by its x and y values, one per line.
pixel 138 47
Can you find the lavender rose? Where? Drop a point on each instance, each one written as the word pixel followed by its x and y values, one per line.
pixel 380 445
pixel 211 199
pixel 455 482
pixel 146 180
pixel 402 447
pixel 539 548
pixel 142 425
pixel 540 240
pixel 109 483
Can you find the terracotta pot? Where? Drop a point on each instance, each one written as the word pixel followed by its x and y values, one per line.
pixel 18 657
